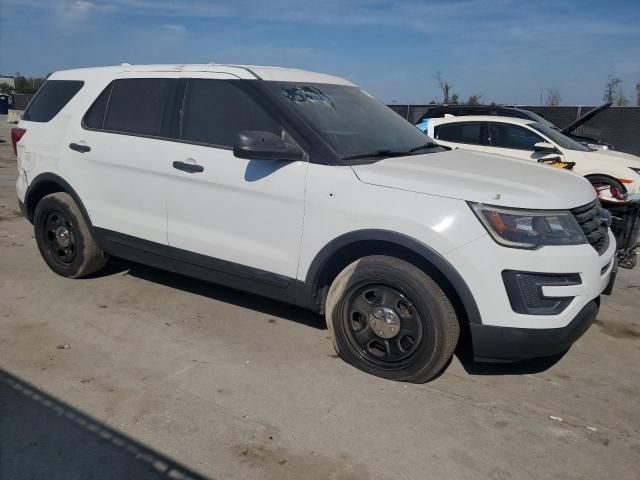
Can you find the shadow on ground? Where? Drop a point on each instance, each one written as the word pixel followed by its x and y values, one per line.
pixel 215 292
pixel 42 437
pixel 464 352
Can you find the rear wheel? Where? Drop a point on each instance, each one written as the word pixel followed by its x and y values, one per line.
pixel 390 319
pixel 64 239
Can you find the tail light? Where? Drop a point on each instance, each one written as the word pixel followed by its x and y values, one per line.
pixel 16 135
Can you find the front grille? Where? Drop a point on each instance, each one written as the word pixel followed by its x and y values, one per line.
pixel 589 217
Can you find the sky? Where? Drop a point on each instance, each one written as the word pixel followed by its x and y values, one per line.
pixel 508 51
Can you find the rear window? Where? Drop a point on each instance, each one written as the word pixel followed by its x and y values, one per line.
pixel 462 132
pixel 144 106
pixel 50 99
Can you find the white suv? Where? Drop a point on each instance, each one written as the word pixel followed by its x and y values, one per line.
pixel 530 140
pixel 301 187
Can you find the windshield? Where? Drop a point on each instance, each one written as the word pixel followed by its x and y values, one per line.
pixel 353 122
pixel 559 138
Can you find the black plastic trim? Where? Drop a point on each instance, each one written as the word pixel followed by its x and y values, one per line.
pixel 517 295
pixel 507 344
pixel 63 184
pixel 210 269
pixel 324 258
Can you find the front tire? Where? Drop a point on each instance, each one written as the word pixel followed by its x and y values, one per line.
pixel 64 238
pixel 390 319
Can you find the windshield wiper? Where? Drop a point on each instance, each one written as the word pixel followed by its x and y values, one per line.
pixel 426 145
pixel 377 153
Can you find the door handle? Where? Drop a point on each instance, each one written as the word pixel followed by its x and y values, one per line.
pixel 79 147
pixel 188 167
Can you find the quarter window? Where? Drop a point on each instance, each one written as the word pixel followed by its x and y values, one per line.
pixel 50 99
pixel 505 135
pixel 144 106
pixel 95 115
pixel 216 110
pixel 460 132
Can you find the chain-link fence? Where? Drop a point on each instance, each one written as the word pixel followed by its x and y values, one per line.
pixel 21 100
pixel 618 126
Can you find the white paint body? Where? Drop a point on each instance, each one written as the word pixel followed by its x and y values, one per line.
pixel 279 219
pixel 613 164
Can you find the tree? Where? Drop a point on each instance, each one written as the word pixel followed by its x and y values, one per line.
pixel 553 97
pixel 474 100
pixel 455 99
pixel 444 86
pixel 6 89
pixel 614 93
pixel 638 94
pixel 27 85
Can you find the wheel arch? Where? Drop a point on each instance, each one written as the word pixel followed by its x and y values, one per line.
pixel 45 184
pixel 347 248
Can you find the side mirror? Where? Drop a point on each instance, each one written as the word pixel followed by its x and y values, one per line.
pixel 544 147
pixel 259 145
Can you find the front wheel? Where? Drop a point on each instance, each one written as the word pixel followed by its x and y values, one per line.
pixel 390 319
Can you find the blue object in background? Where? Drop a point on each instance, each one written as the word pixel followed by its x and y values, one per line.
pixel 4 104
pixel 423 125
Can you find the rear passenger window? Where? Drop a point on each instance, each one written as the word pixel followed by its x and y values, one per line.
pixel 216 110
pixel 462 132
pixel 144 106
pixel 50 99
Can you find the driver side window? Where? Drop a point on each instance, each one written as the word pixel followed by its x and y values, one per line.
pixel 506 135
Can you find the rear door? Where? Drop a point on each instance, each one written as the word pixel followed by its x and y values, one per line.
pixel 124 144
pixel 467 135
pixel 247 213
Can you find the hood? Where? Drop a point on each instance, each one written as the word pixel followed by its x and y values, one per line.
pixel 621 158
pixel 480 177
pixel 585 118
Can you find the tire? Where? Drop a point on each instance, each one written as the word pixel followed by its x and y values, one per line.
pixel 606 180
pixel 390 319
pixel 64 239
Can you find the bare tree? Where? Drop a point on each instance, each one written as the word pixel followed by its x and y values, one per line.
pixel 444 86
pixel 610 89
pixel 614 93
pixel 474 100
pixel 553 97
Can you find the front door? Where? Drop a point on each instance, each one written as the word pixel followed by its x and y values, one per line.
pixel 247 213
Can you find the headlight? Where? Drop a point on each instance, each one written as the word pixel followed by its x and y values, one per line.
pixel 635 169
pixel 529 229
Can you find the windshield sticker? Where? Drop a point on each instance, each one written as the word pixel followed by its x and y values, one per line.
pixel 307 94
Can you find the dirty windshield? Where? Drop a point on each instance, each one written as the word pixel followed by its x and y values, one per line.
pixel 353 122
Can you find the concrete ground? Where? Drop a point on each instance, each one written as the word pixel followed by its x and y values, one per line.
pixel 142 374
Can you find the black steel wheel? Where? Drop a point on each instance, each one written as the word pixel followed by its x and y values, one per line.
pixel 64 239
pixel 382 323
pixel 60 240
pixel 390 319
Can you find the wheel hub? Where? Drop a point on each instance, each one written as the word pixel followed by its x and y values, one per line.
pixel 384 322
pixel 63 239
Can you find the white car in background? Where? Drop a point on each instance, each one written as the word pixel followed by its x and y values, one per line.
pixel 530 140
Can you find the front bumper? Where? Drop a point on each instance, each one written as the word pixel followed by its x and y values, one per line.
pixel 506 344
pixel 482 262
